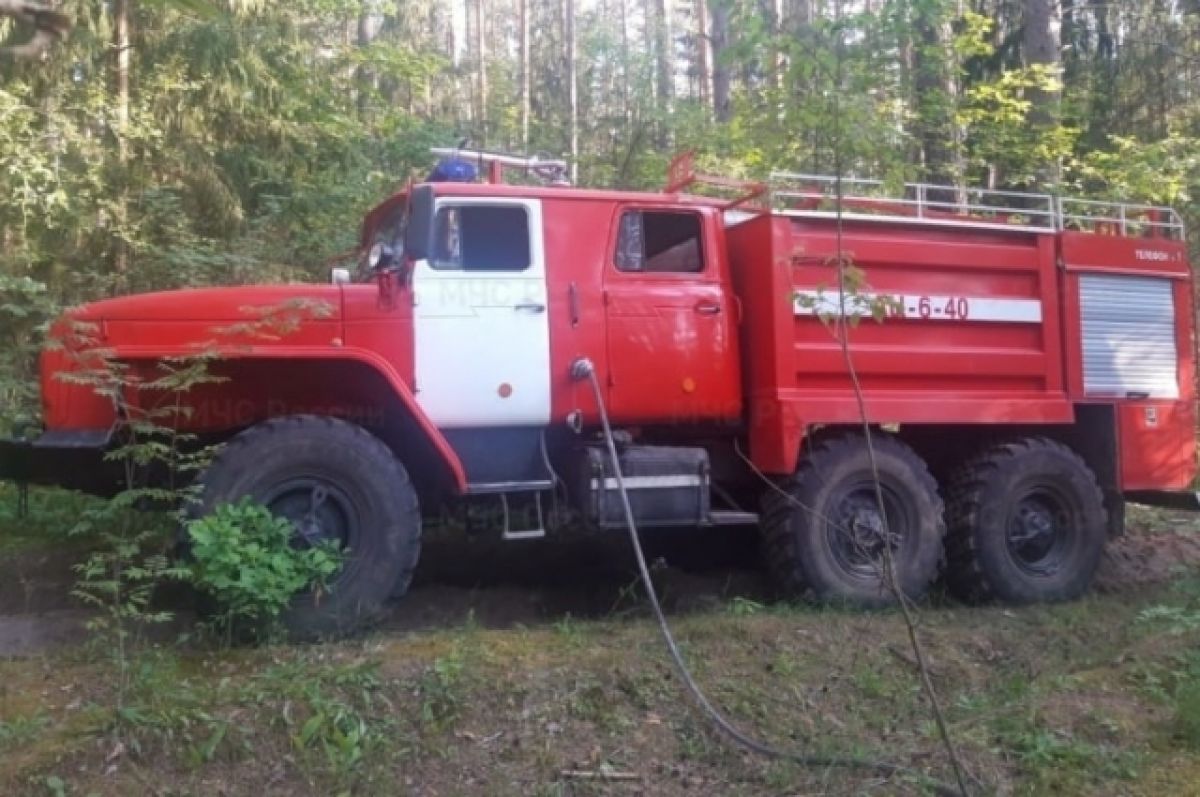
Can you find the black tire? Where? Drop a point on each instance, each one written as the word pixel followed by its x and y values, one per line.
pixel 1026 524
pixel 810 553
pixel 367 503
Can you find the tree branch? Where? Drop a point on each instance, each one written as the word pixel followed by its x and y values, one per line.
pixel 49 27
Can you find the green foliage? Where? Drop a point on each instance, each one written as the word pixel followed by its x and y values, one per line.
pixel 441 689
pixel 119 580
pixel 25 310
pixel 1180 615
pixel 129 560
pixel 996 116
pixel 21 730
pixel 745 607
pixel 243 558
pixel 1186 720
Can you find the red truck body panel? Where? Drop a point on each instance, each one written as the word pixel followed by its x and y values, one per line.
pixel 1156 437
pixel 938 360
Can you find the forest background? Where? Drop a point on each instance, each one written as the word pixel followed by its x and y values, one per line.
pixel 168 143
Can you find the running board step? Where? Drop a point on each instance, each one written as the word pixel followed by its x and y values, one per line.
pixel 497 488
pixel 729 517
pixel 527 534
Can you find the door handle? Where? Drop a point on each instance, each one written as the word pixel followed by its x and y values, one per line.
pixel 708 308
pixel 532 307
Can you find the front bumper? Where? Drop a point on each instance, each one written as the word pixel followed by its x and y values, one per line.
pixel 73 459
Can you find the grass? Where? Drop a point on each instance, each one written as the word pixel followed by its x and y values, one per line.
pixel 51 516
pixel 469 710
pixel 1099 696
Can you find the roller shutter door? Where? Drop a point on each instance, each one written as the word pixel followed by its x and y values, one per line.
pixel 1128 336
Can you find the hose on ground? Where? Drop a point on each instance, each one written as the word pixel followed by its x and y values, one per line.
pixel 583 369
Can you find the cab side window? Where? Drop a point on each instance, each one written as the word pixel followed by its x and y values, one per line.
pixel 481 238
pixel 659 242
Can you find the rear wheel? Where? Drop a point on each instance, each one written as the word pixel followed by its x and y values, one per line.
pixel 1027 524
pixel 825 537
pixel 335 482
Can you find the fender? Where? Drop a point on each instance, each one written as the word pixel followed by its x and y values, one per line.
pixel 369 358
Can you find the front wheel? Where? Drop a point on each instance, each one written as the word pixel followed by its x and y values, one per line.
pixel 1027 524
pixel 335 482
pixel 826 538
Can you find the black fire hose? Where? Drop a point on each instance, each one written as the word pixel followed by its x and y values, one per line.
pixel 583 368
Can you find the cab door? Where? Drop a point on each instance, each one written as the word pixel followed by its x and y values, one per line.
pixel 671 319
pixel 481 328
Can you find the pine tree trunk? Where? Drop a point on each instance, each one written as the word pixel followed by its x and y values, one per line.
pixel 523 12
pixel 572 86
pixel 932 87
pixel 703 55
pixel 1040 46
pixel 367 29
pixel 720 67
pixel 664 56
pixel 482 76
pixel 121 46
pixel 626 104
pixel 773 12
pixel 454 37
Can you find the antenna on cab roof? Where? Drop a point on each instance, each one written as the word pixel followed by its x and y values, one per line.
pixel 463 166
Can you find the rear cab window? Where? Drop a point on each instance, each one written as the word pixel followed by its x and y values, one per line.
pixel 659 242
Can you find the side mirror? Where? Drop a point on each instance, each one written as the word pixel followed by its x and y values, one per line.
pixel 339 276
pixel 418 233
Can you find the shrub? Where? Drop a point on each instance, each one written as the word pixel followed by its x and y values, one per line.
pixel 243 559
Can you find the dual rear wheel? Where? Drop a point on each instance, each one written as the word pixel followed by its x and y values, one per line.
pixel 1022 522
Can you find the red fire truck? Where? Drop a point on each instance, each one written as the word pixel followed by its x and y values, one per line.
pixel 1024 364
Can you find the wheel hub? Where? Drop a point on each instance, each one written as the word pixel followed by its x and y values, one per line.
pixel 318 512
pixel 1037 534
pixel 859 533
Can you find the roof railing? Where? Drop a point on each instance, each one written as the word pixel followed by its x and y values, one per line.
pixel 949 204
pixel 1120 218
pixel 746 194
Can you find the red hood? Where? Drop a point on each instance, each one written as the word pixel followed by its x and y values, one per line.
pixel 216 304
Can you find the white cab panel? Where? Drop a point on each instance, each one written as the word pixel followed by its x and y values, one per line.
pixel 482 326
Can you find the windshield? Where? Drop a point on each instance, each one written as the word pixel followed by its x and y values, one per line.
pixel 389 232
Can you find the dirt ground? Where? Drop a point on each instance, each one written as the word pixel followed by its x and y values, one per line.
pixel 504 585
pixel 532 669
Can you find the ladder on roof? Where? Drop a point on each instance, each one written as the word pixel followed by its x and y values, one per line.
pixel 818 195
pixel 814 193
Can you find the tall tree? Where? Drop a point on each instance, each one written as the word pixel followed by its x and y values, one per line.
pixel 664 59
pixel 935 87
pixel 122 55
pixel 481 71
pixel 719 39
pixel 572 85
pixel 1040 47
pixel 523 47
pixel 703 53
